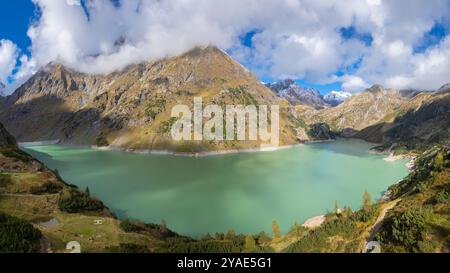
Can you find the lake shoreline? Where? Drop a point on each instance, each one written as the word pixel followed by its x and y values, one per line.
pixel 200 154
pixel 180 154
pixel 172 153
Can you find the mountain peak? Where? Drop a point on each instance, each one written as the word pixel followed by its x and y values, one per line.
pixel 297 95
pixel 196 52
pixel 376 88
pixel 130 105
pixel 444 88
pixel 205 50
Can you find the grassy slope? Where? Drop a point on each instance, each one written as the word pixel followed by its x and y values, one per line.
pixel 19 176
pixel 425 198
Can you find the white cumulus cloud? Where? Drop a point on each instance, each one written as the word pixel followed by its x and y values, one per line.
pixel 8 56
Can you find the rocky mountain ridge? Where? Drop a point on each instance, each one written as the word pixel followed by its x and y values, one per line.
pixel 131 108
pixel 406 118
pixel 296 95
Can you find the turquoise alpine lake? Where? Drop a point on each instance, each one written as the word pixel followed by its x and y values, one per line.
pixel 244 192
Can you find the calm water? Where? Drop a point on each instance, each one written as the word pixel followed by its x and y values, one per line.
pixel 240 191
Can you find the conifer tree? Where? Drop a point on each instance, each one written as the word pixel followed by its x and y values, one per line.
pixel 250 244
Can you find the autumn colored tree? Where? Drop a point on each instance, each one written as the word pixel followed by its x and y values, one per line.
pixel 367 201
pixel 231 235
pixel 276 229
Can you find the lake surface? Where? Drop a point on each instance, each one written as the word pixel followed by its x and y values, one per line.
pixel 240 191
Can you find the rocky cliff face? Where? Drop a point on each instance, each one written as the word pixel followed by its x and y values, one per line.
pixel 362 110
pixel 131 108
pixel 321 131
pixel 297 95
pixel 419 123
pixel 6 139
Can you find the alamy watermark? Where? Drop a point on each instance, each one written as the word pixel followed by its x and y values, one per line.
pixel 231 123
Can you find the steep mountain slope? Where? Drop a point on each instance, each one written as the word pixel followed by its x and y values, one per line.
pixel 421 220
pixel 297 95
pixel 419 123
pixel 444 88
pixel 407 118
pixel 6 138
pixel 131 108
pixel 362 110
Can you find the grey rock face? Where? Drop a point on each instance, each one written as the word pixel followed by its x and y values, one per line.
pixel 296 95
pixel 6 139
pixel 321 131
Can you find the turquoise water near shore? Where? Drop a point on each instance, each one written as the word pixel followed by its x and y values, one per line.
pixel 244 191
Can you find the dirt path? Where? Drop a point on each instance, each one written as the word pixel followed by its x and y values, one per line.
pixel 376 227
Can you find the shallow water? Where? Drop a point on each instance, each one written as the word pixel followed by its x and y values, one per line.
pixel 241 191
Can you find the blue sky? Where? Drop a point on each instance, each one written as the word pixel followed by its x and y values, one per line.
pixel 431 38
pixel 15 18
pixel 347 47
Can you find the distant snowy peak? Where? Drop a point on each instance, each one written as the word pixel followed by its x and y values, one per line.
pixel 335 98
pixel 295 94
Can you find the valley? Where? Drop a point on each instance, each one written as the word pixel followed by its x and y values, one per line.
pixel 90 119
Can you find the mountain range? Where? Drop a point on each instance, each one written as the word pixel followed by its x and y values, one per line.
pixel 297 95
pixel 130 109
pixel 391 118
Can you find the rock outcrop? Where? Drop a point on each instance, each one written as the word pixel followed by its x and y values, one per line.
pixel 6 139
